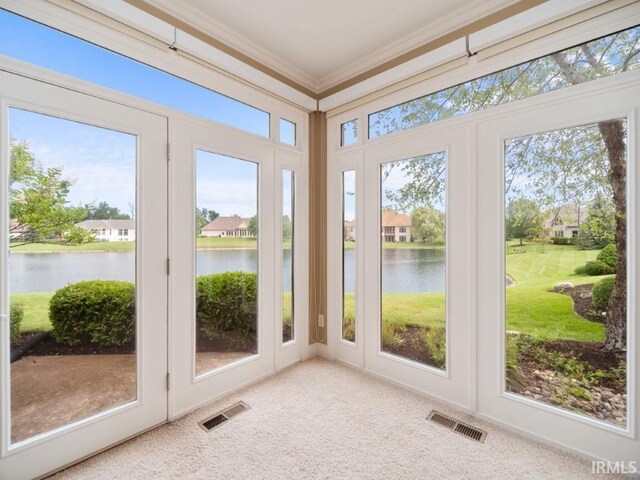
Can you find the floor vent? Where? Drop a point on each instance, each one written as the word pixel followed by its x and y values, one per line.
pixel 224 416
pixel 457 427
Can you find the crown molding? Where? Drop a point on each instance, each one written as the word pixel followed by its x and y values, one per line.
pixel 182 10
pixel 430 32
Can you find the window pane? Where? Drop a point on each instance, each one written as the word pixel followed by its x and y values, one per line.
pixel 349 256
pixel 599 58
pixel 412 220
pixel 226 260
pixel 32 42
pixel 566 288
pixel 71 273
pixel 349 133
pixel 288 233
pixel 287 132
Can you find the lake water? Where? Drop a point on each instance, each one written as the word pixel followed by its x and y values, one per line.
pixel 404 270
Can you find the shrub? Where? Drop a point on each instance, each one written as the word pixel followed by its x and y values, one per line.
pixel 96 311
pixel 580 270
pixel 608 255
pixel 602 292
pixel 561 241
pixel 597 268
pixel 436 342
pixel 226 307
pixel 16 314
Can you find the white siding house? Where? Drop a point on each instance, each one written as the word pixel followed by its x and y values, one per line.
pixel 227 227
pixel 110 230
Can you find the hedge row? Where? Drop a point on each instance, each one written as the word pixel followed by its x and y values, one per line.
pixel 103 311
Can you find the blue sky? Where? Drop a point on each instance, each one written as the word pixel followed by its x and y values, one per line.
pixel 102 162
pixel 227 185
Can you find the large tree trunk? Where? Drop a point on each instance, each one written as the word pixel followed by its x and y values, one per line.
pixel 613 135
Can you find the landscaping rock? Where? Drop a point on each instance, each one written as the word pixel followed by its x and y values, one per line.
pixel 562 286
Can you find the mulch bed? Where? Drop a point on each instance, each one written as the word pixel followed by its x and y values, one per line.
pixel 583 303
pixel 412 347
pixel 49 346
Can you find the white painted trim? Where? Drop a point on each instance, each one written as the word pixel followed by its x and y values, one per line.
pixel 216 57
pixel 95 30
pixel 432 59
pixel 478 66
pixel 535 17
pixel 134 17
pixel 183 10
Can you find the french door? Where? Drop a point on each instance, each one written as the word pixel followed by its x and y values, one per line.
pixel 400 233
pixel 237 256
pixel 100 376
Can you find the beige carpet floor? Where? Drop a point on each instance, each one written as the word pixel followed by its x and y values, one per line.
pixel 321 420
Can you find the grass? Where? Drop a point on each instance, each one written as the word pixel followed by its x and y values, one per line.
pixel 36 311
pixel 398 245
pixel 531 309
pixel 202 243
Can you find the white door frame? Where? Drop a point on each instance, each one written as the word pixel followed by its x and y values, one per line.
pixel 188 391
pixel 452 383
pixel 52 449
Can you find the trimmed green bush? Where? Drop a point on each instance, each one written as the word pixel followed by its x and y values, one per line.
pixel 226 307
pixel 608 255
pixel 561 241
pixel 598 268
pixel 96 311
pixel 16 315
pixel 580 270
pixel 436 342
pixel 602 292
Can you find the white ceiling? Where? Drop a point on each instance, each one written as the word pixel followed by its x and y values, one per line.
pixel 324 42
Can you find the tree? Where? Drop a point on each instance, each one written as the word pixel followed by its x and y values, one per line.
pixel 427 225
pixel 103 211
pixel 204 217
pixel 572 165
pixel 287 228
pixel 523 219
pixel 253 226
pixel 599 228
pixel 38 201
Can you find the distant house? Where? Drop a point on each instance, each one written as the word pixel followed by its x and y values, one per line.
pixel 396 227
pixel 565 222
pixel 110 230
pixel 17 230
pixel 227 227
pixel 350 230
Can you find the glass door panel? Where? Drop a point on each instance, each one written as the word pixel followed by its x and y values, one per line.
pixel 566 269
pixel 72 271
pixel 83 275
pixel 413 260
pixel 224 299
pixel 226 260
pixel 288 242
pixel 349 245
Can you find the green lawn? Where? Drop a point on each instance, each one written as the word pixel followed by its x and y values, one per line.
pixel 531 308
pixel 399 245
pixel 87 247
pixel 203 243
pixel 36 310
